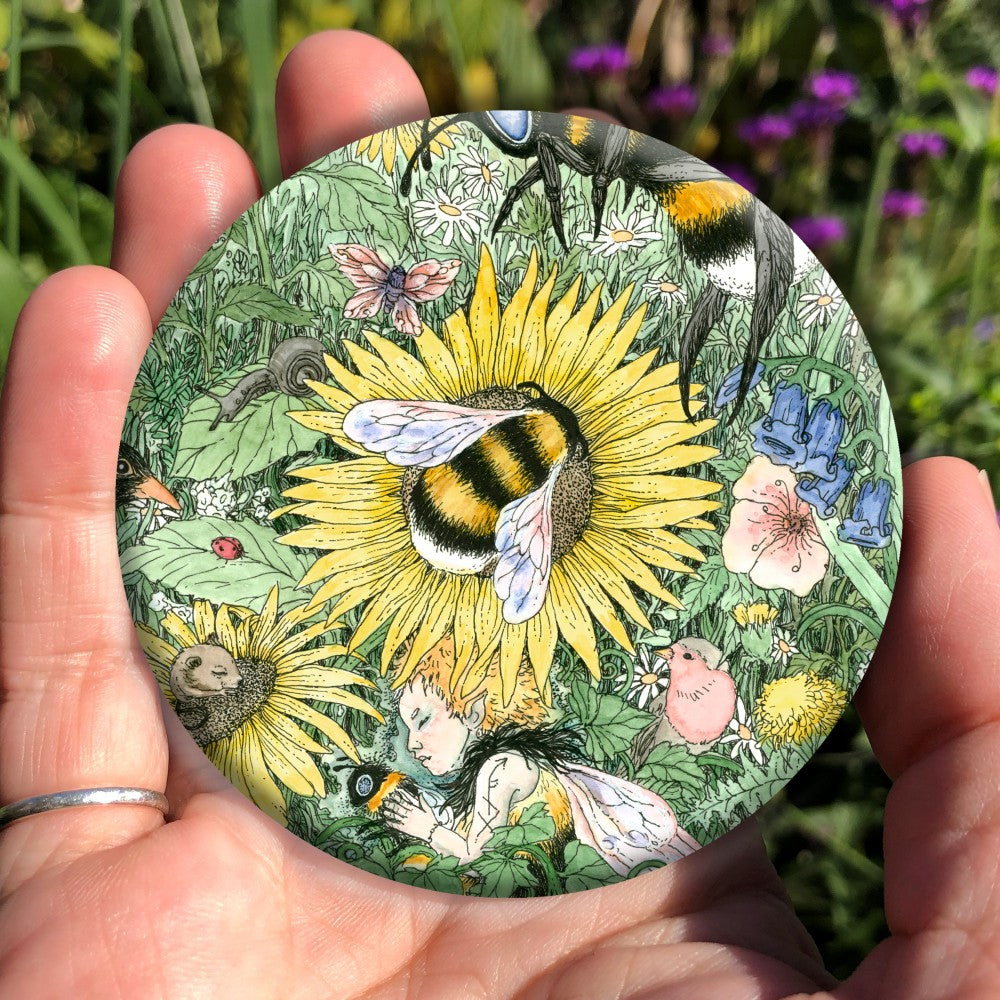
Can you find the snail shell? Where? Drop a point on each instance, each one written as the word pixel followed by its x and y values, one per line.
pixel 292 363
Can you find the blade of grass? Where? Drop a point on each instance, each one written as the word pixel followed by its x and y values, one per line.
pixel 188 59
pixel 12 191
pixel 40 192
pixel 257 19
pixel 165 47
pixel 881 177
pixel 123 89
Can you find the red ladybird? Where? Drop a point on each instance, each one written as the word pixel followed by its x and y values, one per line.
pixel 227 548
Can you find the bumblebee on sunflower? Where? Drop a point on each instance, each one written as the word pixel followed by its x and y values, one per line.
pixel 516 482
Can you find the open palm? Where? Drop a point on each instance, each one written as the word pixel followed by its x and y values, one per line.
pixel 218 900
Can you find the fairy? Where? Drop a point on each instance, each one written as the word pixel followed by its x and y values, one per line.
pixel 499 759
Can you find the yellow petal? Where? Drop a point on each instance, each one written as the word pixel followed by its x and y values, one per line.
pixel 326 725
pixel 574 620
pixel 560 359
pixel 677 457
pixel 484 316
pixel 509 345
pixel 594 599
pixel 438 619
pixel 245 768
pixel 178 630
pixel 312 681
pixel 440 364
pixel 541 643
pixel 159 652
pixel 463 348
pixel 409 580
pixel 511 657
pixel 651 515
pixel 204 620
pixel 286 751
pixel 596 567
pixel 464 629
pixel 616 550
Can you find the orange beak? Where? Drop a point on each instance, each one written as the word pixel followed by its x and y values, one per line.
pixel 152 488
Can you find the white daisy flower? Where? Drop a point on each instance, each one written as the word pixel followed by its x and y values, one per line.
pixel 666 290
pixel 214 498
pixel 160 602
pixel 481 178
pixel 619 235
pixel 821 304
pixel 782 646
pixel 449 211
pixel 651 678
pixel 741 738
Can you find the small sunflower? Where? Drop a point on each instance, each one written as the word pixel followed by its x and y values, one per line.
pixel 240 683
pixel 795 709
pixel 615 512
pixel 405 138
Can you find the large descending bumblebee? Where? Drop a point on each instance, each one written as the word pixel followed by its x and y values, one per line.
pixel 744 250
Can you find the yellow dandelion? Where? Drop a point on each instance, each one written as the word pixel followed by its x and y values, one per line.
pixel 405 138
pixel 615 510
pixel 796 708
pixel 754 614
pixel 241 682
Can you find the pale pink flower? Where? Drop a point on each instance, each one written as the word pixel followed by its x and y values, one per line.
pixel 772 534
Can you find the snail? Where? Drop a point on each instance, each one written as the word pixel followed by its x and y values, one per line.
pixel 292 362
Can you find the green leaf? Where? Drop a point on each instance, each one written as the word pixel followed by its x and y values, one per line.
pixel 585 868
pixel 249 301
pixel 179 556
pixel 611 724
pixel 356 197
pixel 503 876
pixel 706 587
pixel 261 434
pixel 534 826
pixel 440 873
pixel 673 772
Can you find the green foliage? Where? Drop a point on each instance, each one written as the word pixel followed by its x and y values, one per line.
pixel 610 723
pixel 674 773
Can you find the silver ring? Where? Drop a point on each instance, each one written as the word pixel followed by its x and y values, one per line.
pixel 109 796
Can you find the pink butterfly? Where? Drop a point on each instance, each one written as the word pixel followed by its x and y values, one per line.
pixel 393 290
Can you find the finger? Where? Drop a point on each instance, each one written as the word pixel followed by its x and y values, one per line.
pixel 931 702
pixel 935 675
pixel 179 188
pixel 339 86
pixel 80 708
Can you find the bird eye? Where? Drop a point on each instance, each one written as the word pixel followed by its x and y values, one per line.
pixel 688 656
pixel 124 467
pixel 194 662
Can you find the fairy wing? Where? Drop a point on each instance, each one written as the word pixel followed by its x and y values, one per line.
pixel 414 432
pixel 524 540
pixel 430 279
pixel 624 822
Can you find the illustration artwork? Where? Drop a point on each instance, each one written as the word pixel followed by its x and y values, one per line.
pixel 509 504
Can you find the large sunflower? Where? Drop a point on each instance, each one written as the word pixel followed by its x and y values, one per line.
pixel 405 138
pixel 614 514
pixel 238 681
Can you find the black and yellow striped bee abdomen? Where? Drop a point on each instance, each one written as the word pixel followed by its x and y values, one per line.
pixel 453 508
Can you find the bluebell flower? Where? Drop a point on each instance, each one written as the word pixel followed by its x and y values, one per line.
pixel 824 432
pixel 823 493
pixel 731 383
pixel 781 433
pixel 868 525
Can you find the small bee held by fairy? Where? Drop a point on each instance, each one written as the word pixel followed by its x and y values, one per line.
pixel 483 499
pixel 394 290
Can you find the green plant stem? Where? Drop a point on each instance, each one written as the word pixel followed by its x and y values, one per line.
pixel 257 20
pixel 188 59
pixel 873 214
pixel 851 855
pixel 985 219
pixel 12 186
pixel 123 89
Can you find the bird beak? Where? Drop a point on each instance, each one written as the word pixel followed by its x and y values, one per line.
pixel 152 488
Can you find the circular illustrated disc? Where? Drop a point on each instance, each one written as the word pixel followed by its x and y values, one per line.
pixel 509 504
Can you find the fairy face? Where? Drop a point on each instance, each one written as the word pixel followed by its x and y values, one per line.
pixel 437 735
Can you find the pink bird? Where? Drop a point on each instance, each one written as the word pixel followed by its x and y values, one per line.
pixel 700 699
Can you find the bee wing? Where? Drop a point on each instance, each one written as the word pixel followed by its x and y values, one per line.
pixel 365 269
pixel 430 279
pixel 414 432
pixel 524 541
pixel 624 822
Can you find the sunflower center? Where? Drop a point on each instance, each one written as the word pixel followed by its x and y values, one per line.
pixel 216 716
pixel 622 235
pixel 449 209
pixel 487 476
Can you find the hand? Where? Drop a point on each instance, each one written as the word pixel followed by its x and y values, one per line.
pixel 220 901
pixel 410 814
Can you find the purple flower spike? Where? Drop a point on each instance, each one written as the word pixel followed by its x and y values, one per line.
pixel 834 87
pixel 717 45
pixel 930 144
pixel 983 79
pixel 812 115
pixel 985 330
pixel 903 205
pixel 766 130
pixel 819 231
pixel 600 60
pixel 908 13
pixel 677 100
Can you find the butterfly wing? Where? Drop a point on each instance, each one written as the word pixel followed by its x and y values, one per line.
pixel 413 432
pixel 524 541
pixel 404 317
pixel 430 279
pixel 361 265
pixel 624 822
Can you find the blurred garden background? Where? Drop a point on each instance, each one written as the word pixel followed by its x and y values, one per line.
pixel 871 126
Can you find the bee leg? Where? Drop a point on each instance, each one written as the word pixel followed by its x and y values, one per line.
pixel 629 191
pixel 549 164
pixel 609 165
pixel 774 254
pixel 423 147
pixel 707 312
pixel 532 174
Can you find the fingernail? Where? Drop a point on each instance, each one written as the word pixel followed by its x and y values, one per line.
pixel 984 481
